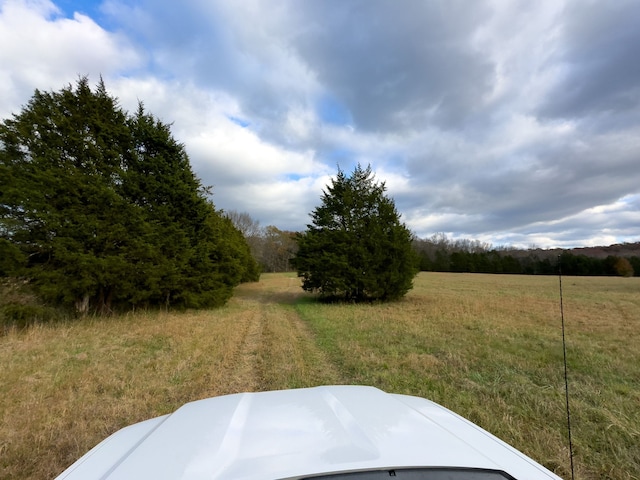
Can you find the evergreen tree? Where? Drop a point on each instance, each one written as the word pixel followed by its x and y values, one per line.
pixel 356 248
pixel 101 210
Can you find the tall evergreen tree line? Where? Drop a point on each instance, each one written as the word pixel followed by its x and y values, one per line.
pixel 100 209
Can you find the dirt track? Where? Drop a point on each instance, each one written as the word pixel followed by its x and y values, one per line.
pixel 272 348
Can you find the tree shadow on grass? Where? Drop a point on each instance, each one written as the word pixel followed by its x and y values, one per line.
pixel 290 296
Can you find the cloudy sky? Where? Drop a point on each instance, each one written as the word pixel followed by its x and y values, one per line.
pixel 507 121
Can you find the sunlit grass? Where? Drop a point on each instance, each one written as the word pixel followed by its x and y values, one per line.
pixel 488 347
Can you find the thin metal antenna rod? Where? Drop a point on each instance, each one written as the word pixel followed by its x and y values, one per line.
pixel 566 377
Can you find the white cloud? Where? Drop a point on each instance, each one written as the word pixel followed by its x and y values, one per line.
pixel 43 50
pixel 284 204
pixel 238 155
pixel 247 172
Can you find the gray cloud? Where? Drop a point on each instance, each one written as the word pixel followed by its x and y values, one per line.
pixel 599 58
pixel 397 67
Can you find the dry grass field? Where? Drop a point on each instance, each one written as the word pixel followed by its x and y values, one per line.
pixel 488 347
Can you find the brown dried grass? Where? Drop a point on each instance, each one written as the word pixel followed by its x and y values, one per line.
pixel 486 346
pixel 65 387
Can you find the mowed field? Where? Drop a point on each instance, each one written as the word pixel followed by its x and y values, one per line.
pixel 486 346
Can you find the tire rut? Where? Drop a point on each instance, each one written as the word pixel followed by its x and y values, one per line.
pixel 274 347
pixel 240 370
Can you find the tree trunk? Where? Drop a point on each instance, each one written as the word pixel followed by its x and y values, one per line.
pixel 82 305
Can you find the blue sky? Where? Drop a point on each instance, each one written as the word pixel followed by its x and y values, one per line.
pixel 69 7
pixel 513 123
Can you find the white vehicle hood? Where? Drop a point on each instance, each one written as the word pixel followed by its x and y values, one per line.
pixel 296 434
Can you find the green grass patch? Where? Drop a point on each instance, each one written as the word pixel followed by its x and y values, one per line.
pixel 490 348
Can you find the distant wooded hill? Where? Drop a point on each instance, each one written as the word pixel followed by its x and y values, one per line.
pixel 273 249
pixel 441 254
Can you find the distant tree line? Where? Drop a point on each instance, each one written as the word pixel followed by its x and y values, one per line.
pixel 271 247
pixel 274 249
pixel 440 254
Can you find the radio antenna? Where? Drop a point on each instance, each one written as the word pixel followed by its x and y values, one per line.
pixel 566 377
